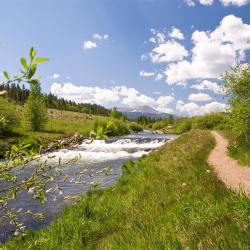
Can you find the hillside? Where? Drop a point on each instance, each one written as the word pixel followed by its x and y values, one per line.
pixel 59 125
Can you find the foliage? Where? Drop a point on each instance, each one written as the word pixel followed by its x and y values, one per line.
pixel 183 125
pixel 101 132
pixel 135 127
pixel 9 118
pixel 210 121
pixel 118 127
pixel 163 123
pixel 35 107
pixel 237 87
pixel 238 148
pixel 35 111
pixel 27 74
pixel 170 199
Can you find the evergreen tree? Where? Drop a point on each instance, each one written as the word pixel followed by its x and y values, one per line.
pixel 35 111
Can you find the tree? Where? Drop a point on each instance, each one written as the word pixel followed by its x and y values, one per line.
pixel 237 88
pixel 35 111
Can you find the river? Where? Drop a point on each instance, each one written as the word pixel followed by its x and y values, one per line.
pixel 100 163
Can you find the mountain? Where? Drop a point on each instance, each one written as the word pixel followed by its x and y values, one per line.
pixel 133 113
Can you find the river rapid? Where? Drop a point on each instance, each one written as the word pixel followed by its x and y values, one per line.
pixel 100 165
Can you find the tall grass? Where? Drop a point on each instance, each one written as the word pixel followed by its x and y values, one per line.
pixel 170 199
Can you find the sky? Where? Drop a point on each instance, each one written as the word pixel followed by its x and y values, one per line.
pixel 167 54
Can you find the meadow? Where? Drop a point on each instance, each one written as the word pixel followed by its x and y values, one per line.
pixel 171 199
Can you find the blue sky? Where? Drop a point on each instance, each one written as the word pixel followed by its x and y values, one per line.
pixel 167 54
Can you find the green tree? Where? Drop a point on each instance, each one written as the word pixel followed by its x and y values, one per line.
pixel 114 113
pixel 35 111
pixel 237 88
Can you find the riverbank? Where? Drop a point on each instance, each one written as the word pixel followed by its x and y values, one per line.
pixel 60 125
pixel 170 199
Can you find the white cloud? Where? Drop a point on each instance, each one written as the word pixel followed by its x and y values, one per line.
pixel 165 100
pixel 146 74
pixel 169 51
pixel 56 76
pixel 235 2
pixel 213 52
pixel 114 96
pixel 199 97
pixel 238 3
pixel 193 109
pixel 158 77
pixel 176 33
pixel 89 45
pixel 207 85
pixel 97 36
pixel 162 104
pixel 206 2
pixel 190 3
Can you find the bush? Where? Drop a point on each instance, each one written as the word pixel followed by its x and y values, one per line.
pixel 135 127
pixel 183 125
pixel 216 121
pixel 9 118
pixel 118 127
pixel 211 121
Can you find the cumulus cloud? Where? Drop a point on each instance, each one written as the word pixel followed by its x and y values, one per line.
pixel 199 97
pixel 193 109
pixel 213 52
pixel 97 36
pixel 146 74
pixel 176 33
pixel 238 3
pixel 94 44
pixel 169 51
pixel 114 96
pixel 208 85
pixel 89 45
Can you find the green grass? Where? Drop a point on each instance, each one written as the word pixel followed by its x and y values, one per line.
pixel 239 151
pixel 59 125
pixel 170 199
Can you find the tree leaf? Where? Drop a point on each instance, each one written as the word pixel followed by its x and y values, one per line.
pixel 40 60
pixel 32 71
pixel 24 63
pixel 32 54
pixel 6 75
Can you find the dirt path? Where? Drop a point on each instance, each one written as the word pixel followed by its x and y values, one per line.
pixel 235 176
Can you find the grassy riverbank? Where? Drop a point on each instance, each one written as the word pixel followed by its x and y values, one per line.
pixel 170 199
pixel 59 125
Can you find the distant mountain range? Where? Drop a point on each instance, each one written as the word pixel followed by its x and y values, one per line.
pixel 133 113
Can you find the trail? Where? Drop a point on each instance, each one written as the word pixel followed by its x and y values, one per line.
pixel 234 175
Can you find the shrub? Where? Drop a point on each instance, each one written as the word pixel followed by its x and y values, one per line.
pixel 135 127
pixel 118 127
pixel 183 125
pixel 211 121
pixel 9 118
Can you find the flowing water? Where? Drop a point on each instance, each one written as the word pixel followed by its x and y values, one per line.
pixel 100 163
